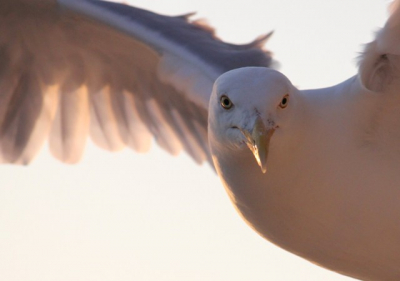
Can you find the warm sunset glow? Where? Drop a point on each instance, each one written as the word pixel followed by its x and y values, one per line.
pixel 128 216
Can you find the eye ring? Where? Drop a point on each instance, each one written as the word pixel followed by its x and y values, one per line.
pixel 284 102
pixel 225 102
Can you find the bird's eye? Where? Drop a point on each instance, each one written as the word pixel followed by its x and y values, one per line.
pixel 226 102
pixel 284 101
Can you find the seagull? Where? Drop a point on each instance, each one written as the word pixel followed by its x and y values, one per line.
pixel 123 75
pixel 316 171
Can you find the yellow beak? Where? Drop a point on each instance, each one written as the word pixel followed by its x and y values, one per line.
pixel 258 142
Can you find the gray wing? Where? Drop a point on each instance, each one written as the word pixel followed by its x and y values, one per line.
pixel 117 73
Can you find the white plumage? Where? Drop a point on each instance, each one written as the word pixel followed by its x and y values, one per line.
pixel 332 184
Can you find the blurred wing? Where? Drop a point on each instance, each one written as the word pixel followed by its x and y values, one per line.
pixel 380 63
pixel 117 73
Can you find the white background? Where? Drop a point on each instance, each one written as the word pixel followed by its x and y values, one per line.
pixel 127 216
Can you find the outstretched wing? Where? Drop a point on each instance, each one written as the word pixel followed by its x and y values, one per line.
pixel 380 63
pixel 117 73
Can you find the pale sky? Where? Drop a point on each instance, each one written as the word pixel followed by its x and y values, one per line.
pixel 129 216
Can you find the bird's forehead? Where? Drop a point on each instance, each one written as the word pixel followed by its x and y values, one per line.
pixel 249 81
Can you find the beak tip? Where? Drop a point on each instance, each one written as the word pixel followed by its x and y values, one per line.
pixel 258 142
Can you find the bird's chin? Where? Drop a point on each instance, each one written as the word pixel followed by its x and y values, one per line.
pixel 241 145
pixel 239 141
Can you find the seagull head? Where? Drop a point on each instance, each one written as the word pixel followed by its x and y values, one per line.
pixel 248 108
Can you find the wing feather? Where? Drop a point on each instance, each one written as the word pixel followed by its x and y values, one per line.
pixel 132 130
pixel 25 103
pixel 70 126
pixel 104 129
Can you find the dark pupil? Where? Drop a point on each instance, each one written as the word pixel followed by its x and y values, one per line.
pixel 226 102
pixel 284 101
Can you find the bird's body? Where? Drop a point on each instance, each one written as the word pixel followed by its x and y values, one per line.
pixel 331 192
